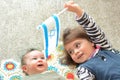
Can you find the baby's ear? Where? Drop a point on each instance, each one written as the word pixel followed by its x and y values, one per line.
pixel 24 68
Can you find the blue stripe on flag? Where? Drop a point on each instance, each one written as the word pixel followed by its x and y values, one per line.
pixel 45 38
pixel 57 27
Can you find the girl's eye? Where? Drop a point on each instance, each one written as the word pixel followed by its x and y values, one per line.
pixel 77 45
pixel 70 52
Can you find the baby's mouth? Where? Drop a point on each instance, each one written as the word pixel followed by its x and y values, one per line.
pixel 40 65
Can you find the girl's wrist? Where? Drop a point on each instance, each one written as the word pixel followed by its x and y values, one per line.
pixel 79 13
pixel 78 17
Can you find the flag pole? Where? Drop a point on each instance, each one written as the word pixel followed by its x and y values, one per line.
pixel 62 11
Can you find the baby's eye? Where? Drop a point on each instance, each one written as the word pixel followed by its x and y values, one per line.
pixel 34 58
pixel 77 45
pixel 42 57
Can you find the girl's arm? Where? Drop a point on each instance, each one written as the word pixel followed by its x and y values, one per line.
pixel 84 74
pixel 95 33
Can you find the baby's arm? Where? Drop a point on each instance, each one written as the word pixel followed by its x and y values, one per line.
pixel 97 36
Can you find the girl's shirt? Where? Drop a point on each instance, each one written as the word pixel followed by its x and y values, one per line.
pixel 97 36
pixel 95 33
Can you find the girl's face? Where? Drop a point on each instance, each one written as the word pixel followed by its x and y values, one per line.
pixel 80 50
pixel 35 63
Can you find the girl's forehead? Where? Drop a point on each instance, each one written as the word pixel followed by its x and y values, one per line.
pixel 74 41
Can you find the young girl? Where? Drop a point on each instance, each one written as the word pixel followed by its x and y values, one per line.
pixel 89 50
pixel 35 66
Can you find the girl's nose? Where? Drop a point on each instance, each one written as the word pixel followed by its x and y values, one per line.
pixel 76 51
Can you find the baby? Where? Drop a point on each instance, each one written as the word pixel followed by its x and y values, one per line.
pixel 34 64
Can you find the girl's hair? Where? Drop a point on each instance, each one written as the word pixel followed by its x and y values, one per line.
pixel 23 59
pixel 68 36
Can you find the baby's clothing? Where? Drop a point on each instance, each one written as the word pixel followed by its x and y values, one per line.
pixel 47 75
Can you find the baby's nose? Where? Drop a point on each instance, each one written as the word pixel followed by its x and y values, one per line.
pixel 40 60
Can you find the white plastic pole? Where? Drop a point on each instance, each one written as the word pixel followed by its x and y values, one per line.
pixel 62 11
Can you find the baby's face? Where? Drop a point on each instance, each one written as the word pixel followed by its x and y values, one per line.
pixel 35 62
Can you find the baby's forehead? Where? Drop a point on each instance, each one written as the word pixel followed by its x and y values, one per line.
pixel 35 52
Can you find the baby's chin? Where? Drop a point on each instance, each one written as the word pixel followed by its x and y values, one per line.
pixel 40 70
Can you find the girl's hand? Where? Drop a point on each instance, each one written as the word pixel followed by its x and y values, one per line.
pixel 73 7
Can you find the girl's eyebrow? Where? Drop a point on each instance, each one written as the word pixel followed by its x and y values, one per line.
pixel 75 44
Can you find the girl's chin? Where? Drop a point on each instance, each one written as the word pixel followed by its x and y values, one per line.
pixel 82 61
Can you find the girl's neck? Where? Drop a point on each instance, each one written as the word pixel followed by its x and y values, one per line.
pixel 95 51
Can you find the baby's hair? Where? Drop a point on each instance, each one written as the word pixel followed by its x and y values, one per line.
pixel 23 61
pixel 68 36
pixel 23 56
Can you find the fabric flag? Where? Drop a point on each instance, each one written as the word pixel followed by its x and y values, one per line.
pixel 51 30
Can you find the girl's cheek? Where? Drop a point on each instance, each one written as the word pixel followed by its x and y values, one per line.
pixel 73 57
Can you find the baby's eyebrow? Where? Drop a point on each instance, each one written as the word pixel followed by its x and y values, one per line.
pixel 33 57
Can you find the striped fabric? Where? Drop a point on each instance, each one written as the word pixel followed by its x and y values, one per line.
pixel 95 33
pixel 84 74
